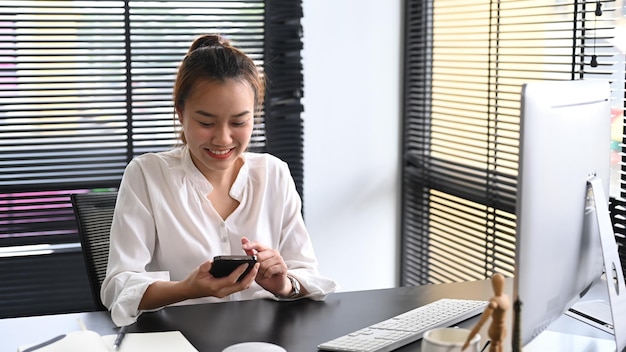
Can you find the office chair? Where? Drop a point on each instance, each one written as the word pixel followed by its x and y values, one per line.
pixel 94 214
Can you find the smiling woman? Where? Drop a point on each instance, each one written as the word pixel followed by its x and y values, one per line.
pixel 178 209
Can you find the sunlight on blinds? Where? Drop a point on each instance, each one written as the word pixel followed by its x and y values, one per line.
pixel 466 158
pixel 466 62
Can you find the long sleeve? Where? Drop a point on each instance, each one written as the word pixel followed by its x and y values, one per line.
pixel 133 235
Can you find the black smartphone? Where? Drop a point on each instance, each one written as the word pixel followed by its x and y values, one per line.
pixel 223 265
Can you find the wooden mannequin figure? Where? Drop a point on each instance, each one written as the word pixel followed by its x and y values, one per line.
pixel 496 309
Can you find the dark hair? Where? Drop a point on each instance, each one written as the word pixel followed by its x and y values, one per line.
pixel 212 57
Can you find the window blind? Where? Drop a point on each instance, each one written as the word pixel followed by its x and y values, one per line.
pixel 86 85
pixel 465 62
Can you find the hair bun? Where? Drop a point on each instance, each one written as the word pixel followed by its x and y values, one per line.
pixel 209 41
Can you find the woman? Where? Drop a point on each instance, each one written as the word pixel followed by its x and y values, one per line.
pixel 178 209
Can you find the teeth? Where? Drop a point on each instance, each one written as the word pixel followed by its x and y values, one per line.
pixel 219 152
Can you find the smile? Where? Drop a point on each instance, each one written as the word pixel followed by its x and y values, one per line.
pixel 220 152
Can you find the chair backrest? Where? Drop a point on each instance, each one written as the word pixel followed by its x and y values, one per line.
pixel 94 215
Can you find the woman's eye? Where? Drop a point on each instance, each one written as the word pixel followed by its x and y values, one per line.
pixel 239 124
pixel 205 124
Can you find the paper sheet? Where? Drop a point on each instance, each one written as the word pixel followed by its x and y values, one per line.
pixel 152 341
pixel 85 340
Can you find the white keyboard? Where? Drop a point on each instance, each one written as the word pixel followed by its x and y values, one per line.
pixel 405 328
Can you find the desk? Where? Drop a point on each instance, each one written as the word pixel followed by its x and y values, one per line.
pixel 298 326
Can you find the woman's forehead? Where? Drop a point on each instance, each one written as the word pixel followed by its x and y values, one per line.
pixel 231 93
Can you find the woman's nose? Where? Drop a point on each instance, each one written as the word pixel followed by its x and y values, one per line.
pixel 222 136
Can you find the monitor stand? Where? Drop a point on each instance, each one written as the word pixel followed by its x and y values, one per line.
pixel 612 265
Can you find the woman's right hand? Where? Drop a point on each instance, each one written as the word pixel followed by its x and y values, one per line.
pixel 202 284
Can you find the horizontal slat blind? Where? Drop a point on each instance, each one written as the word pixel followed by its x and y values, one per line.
pixel 81 96
pixel 462 126
pixel 63 91
pixel 86 85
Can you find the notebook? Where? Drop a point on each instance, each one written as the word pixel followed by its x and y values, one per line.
pixel 87 340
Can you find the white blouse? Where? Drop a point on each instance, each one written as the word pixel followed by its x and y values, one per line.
pixel 164 226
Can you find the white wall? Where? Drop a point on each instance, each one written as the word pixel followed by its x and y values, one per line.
pixel 352 86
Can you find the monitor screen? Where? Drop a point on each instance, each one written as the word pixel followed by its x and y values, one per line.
pixel 564 140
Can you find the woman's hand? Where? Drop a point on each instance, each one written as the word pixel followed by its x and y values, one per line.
pixel 198 284
pixel 202 284
pixel 272 274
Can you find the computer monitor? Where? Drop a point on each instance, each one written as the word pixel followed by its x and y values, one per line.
pixel 564 140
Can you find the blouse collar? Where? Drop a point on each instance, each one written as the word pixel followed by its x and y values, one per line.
pixel 194 174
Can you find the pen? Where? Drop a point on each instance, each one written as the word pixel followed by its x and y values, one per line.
pixel 120 336
pixel 44 344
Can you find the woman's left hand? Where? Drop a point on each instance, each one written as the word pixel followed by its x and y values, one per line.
pixel 272 274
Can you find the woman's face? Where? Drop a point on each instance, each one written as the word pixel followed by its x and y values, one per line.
pixel 217 120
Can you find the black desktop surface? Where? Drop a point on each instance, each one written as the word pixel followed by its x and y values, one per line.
pixel 301 325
